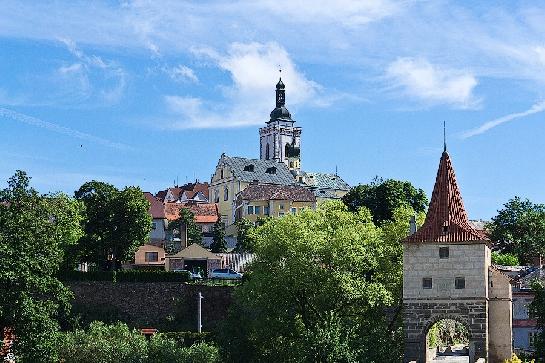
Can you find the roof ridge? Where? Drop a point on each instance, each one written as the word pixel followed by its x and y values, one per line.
pixel 446 219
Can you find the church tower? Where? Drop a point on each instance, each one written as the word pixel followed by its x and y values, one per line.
pixel 280 140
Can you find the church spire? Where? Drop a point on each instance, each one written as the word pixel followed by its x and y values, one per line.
pixel 281 112
pixel 446 220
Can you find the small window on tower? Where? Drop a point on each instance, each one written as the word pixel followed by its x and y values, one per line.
pixel 427 283
pixel 460 283
pixel 443 252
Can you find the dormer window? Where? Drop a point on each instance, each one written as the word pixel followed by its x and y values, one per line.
pixel 249 168
pixel 445 229
pixel 271 170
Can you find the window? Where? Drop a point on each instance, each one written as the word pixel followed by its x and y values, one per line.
pixel 154 225
pixel 249 168
pixel 267 152
pixel 281 206
pixel 281 214
pixel 459 283
pixel 427 283
pixel 250 209
pixel 152 256
pixel 257 209
pixel 271 170
pixel 266 211
pixel 216 196
pixel 221 173
pixel 443 252
pixel 225 194
pixel 445 229
pixel 293 210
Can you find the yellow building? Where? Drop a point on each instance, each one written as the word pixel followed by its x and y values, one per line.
pixel 272 201
pixel 234 174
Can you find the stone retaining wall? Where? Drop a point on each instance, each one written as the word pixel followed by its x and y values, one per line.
pixel 167 306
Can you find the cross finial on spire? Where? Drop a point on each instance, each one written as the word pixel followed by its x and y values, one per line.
pixel 444 137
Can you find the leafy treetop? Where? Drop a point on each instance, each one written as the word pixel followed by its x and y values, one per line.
pixel 382 197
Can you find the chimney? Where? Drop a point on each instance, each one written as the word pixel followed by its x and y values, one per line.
pixel 412 225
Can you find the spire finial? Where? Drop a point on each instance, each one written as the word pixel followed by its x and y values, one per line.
pixel 444 137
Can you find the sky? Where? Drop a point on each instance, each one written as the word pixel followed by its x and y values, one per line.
pixel 148 93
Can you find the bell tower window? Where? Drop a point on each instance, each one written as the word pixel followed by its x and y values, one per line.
pixel 267 152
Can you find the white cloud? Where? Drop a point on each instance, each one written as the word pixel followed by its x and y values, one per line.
pixel 420 79
pixel 109 78
pixel 536 108
pixel 345 12
pixel 50 126
pixel 253 68
pixel 181 73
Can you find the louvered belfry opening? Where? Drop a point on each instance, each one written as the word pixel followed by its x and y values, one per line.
pixel 446 220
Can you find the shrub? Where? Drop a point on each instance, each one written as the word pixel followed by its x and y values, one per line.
pixel 505 259
pixel 164 349
pixel 151 276
pixel 88 276
pixel 103 343
pixel 515 359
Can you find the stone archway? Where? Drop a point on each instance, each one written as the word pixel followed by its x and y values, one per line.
pixel 431 352
pixel 420 317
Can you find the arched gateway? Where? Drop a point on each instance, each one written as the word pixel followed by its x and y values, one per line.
pixel 447 274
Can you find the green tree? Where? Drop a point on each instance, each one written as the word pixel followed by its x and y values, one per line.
pixel 317 292
pixel 162 349
pixel 519 228
pixel 245 242
pixel 103 343
pixel 117 223
pixel 34 231
pixel 382 197
pixel 218 244
pixel 186 219
pixel 505 259
pixel 537 311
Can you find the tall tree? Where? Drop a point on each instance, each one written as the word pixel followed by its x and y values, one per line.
pixel 186 221
pixel 318 290
pixel 117 222
pixel 519 228
pixel 244 236
pixel 34 231
pixel 382 197
pixel 218 244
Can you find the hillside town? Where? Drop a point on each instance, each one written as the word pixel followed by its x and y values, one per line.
pixel 267 256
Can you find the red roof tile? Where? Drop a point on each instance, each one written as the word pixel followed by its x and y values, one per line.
pixel 446 220
pixel 204 212
pixel 156 208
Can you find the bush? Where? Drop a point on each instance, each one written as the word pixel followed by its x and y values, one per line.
pixel 117 343
pixel 188 338
pixel 87 276
pixel 103 343
pixel 151 276
pixel 515 359
pixel 126 276
pixel 505 259
pixel 164 349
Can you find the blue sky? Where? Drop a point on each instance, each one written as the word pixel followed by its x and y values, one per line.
pixel 144 92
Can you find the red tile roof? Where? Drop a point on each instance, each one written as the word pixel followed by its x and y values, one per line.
pixel 156 208
pixel 446 220
pixel 204 212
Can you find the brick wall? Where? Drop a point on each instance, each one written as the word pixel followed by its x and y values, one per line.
pixel 167 306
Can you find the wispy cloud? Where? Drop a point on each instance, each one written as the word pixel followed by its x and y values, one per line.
pixel 536 108
pixel 253 68
pixel 50 126
pixel 181 73
pixel 422 80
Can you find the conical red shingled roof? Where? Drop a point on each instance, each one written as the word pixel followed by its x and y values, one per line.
pixel 446 220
